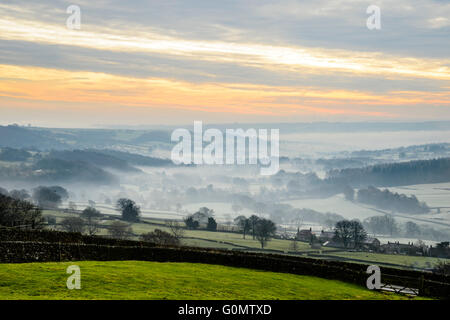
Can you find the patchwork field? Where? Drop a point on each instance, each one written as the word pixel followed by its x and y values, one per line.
pixel 228 240
pixel 336 204
pixel 435 195
pixel 411 261
pixel 152 280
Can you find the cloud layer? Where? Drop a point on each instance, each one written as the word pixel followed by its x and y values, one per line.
pixel 143 61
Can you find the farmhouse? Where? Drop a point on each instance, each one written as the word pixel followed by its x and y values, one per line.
pixel 372 244
pixel 305 235
pixel 399 248
pixel 442 250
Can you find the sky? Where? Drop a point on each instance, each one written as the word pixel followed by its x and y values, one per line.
pixel 176 61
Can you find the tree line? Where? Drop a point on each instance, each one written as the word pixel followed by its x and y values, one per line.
pixel 261 229
pixel 395 174
pixel 350 232
pixel 387 225
pixel 393 201
pixel 42 196
pixel 16 213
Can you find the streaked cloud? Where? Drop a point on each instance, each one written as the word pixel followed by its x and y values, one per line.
pixel 260 58
pixel 43 84
pixel 439 22
pixel 310 60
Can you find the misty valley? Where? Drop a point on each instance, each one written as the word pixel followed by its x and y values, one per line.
pixel 397 195
pixel 218 157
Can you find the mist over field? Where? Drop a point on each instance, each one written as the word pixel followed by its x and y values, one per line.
pixel 318 169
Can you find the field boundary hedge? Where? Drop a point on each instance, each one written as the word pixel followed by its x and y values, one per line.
pixel 7 234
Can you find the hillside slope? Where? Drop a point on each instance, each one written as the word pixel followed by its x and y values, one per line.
pixel 175 281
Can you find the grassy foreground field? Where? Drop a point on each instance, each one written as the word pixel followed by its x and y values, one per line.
pixel 176 281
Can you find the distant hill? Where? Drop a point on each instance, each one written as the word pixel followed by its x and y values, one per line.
pixel 14 155
pixel 20 137
pixel 94 157
pixel 434 149
pixel 137 159
pixel 49 170
pixel 84 166
pixel 395 174
pixel 15 136
pixel 151 136
pixel 119 160
pixel 57 170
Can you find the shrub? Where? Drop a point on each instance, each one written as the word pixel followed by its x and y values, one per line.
pixel 160 237
pixel 73 224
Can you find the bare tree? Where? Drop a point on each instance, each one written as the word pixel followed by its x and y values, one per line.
pixel 294 245
pixel 243 223
pixel 19 214
pixel 359 235
pixel 176 229
pixel 350 231
pixel 120 230
pixel 91 215
pixel 343 232
pixel 442 267
pixel 73 224
pixel 253 220
pixel 264 231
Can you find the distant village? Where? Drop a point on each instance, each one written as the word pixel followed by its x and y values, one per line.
pixel 371 244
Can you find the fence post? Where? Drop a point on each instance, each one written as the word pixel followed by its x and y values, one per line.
pixel 421 284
